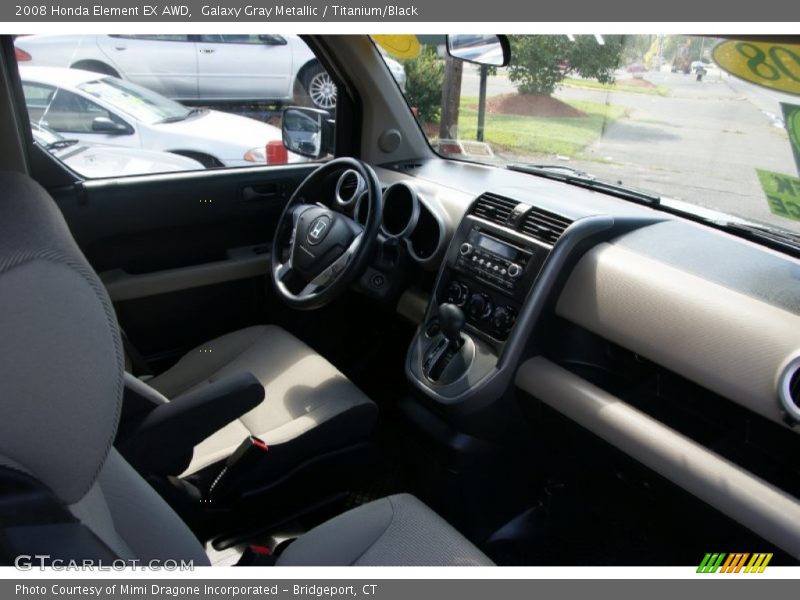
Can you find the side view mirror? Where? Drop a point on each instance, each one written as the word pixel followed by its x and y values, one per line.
pixel 106 125
pixel 307 131
pixel 489 50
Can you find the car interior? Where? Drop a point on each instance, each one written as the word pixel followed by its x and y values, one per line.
pixel 386 357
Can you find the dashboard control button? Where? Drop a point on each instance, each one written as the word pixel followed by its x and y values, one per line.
pixel 503 320
pixel 480 306
pixel 457 293
pixel 465 249
pixel 514 270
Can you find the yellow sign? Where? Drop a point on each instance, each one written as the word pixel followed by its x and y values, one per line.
pixel 775 66
pixel 782 192
pixel 399 46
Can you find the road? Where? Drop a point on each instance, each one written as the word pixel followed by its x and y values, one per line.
pixel 701 143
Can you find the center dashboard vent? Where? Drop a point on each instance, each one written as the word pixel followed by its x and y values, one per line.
pixel 543 225
pixel 494 208
pixel 534 222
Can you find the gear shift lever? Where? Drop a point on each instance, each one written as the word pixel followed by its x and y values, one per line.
pixel 451 321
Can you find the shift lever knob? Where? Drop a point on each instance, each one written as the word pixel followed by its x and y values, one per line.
pixel 451 320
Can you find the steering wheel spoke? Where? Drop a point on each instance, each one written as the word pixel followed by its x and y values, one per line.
pixel 309 233
pixel 283 271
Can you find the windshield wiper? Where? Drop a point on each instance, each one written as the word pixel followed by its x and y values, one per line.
pixel 183 117
pixel 579 178
pixel 763 233
pixel 60 144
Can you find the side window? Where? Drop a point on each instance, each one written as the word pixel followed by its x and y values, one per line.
pixel 189 109
pixel 61 110
pixel 275 40
pixel 156 38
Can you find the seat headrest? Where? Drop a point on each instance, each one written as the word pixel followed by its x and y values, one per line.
pixel 61 359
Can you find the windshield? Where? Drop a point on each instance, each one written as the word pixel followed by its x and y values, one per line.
pixel 659 113
pixel 136 101
pixel 44 135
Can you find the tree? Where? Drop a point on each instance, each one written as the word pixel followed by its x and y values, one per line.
pixel 424 75
pixel 540 62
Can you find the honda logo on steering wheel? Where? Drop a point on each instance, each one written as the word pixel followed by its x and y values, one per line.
pixel 319 227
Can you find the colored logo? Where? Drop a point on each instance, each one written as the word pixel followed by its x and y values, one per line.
pixel 775 66
pixel 399 46
pixel 782 192
pixel 720 562
pixel 791 116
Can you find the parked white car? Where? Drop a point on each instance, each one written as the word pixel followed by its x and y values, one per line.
pixel 99 160
pixel 104 109
pixel 196 68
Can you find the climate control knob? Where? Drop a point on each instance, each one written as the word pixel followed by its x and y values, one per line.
pixel 503 320
pixel 465 249
pixel 457 293
pixel 514 271
pixel 479 306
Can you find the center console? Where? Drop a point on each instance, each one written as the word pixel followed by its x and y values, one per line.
pixel 490 278
pixel 492 264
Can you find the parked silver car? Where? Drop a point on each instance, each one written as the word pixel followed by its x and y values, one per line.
pixel 102 160
pixel 196 68
pixel 107 110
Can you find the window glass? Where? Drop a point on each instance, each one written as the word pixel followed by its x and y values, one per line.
pixel 157 38
pixel 659 113
pixel 61 110
pixel 242 39
pixel 189 107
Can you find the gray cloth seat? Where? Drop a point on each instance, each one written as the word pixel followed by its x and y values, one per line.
pixel 396 530
pixel 308 403
pixel 61 388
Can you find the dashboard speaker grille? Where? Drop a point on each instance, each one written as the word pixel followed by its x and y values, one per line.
pixel 544 226
pixel 494 208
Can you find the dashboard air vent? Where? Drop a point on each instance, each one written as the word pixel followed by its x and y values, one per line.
pixel 544 226
pixel 789 389
pixel 349 185
pixel 494 208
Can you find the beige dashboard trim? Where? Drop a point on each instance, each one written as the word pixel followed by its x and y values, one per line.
pixel 726 341
pixel 756 504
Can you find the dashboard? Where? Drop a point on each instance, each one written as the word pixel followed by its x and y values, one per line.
pixel 518 253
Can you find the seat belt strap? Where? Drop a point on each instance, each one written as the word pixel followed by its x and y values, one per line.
pixel 138 364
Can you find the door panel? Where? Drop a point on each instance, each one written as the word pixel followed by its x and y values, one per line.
pixel 166 64
pixel 244 67
pixel 184 255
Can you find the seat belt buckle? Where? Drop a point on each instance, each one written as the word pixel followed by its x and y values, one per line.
pixel 256 555
pixel 247 455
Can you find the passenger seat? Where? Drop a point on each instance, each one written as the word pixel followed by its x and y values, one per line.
pixel 61 387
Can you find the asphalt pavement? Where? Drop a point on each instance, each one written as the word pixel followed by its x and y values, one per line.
pixel 701 143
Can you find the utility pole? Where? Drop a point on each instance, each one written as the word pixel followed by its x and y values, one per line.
pixel 482 101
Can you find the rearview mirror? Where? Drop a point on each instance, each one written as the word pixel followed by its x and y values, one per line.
pixel 490 50
pixel 106 125
pixel 307 131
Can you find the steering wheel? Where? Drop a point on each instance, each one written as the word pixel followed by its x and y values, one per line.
pixel 317 252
